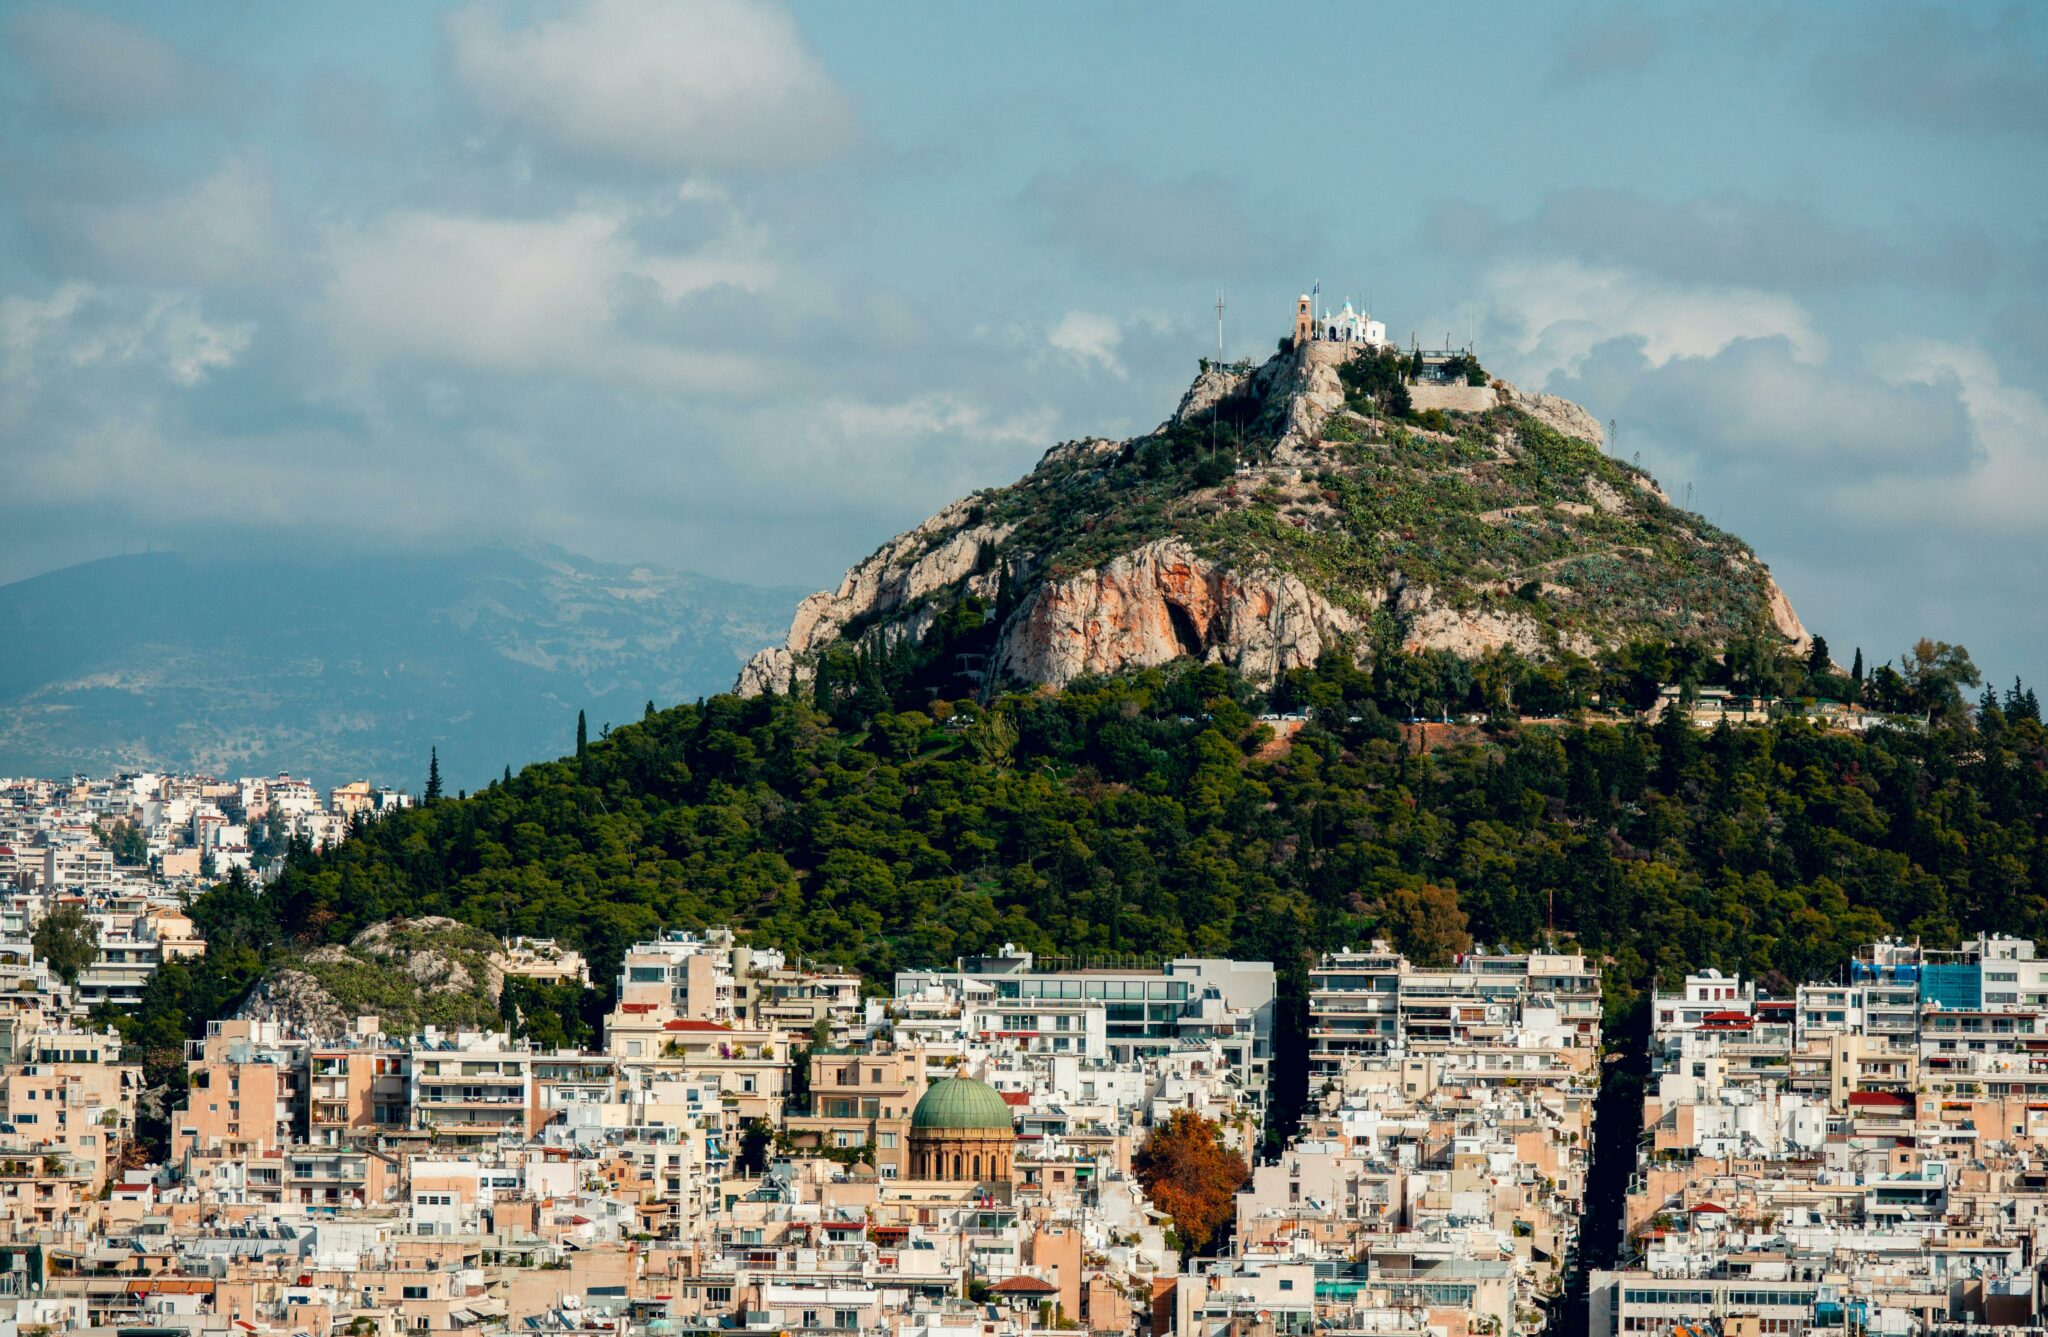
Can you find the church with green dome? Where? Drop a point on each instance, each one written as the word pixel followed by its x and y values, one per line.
pixel 962 1132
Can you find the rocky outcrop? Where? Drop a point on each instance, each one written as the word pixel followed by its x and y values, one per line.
pixel 1466 632
pixel 771 672
pixel 1160 602
pixel 1562 414
pixel 946 552
pixel 1798 638
pixel 407 972
pixel 1214 385
pixel 298 1002
pixel 1312 390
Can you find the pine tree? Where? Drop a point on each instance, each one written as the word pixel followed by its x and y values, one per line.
pixel 433 775
pixel 582 736
pixel 1817 660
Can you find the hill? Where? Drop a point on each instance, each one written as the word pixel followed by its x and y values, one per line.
pixel 432 971
pixel 1288 509
pixel 1150 813
pixel 353 668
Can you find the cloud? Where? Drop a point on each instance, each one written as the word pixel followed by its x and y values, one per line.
pixel 2007 476
pixel 95 68
pixel 1939 69
pixel 1726 238
pixel 1754 408
pixel 530 295
pixel 1198 224
pixel 78 326
pixel 1090 339
pixel 711 84
pixel 223 230
pixel 1553 314
pixel 939 414
pixel 1613 44
pixel 351 115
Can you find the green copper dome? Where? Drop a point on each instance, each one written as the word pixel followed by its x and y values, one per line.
pixel 959 1103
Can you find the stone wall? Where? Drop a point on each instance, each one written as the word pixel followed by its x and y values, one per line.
pixel 1452 398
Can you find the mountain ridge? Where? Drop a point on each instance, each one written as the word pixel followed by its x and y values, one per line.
pixel 353 667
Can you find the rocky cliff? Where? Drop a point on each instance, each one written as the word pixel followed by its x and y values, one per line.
pixel 1286 510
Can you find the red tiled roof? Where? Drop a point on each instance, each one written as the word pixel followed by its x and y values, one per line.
pixel 637 1009
pixel 1709 1209
pixel 1883 1099
pixel 1024 1286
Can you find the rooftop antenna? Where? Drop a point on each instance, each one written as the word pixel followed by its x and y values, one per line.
pixel 1219 324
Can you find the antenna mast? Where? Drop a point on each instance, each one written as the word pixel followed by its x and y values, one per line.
pixel 1219 324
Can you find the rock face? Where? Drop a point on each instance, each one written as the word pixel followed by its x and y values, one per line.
pixel 1509 531
pixel 945 551
pixel 1787 622
pixel 1160 602
pixel 1562 414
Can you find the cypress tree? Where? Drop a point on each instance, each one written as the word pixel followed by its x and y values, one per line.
pixel 508 773
pixel 582 736
pixel 433 775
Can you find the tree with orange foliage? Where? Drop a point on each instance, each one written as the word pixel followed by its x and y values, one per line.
pixel 1191 1176
pixel 1426 924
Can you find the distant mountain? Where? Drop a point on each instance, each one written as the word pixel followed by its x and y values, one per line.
pixel 353 668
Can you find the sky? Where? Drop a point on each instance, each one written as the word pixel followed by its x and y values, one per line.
pixel 745 289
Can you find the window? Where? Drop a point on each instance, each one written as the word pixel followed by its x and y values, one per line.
pixel 415 1292
pixel 846 1318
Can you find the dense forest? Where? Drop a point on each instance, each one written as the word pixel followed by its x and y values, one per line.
pixel 1156 813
